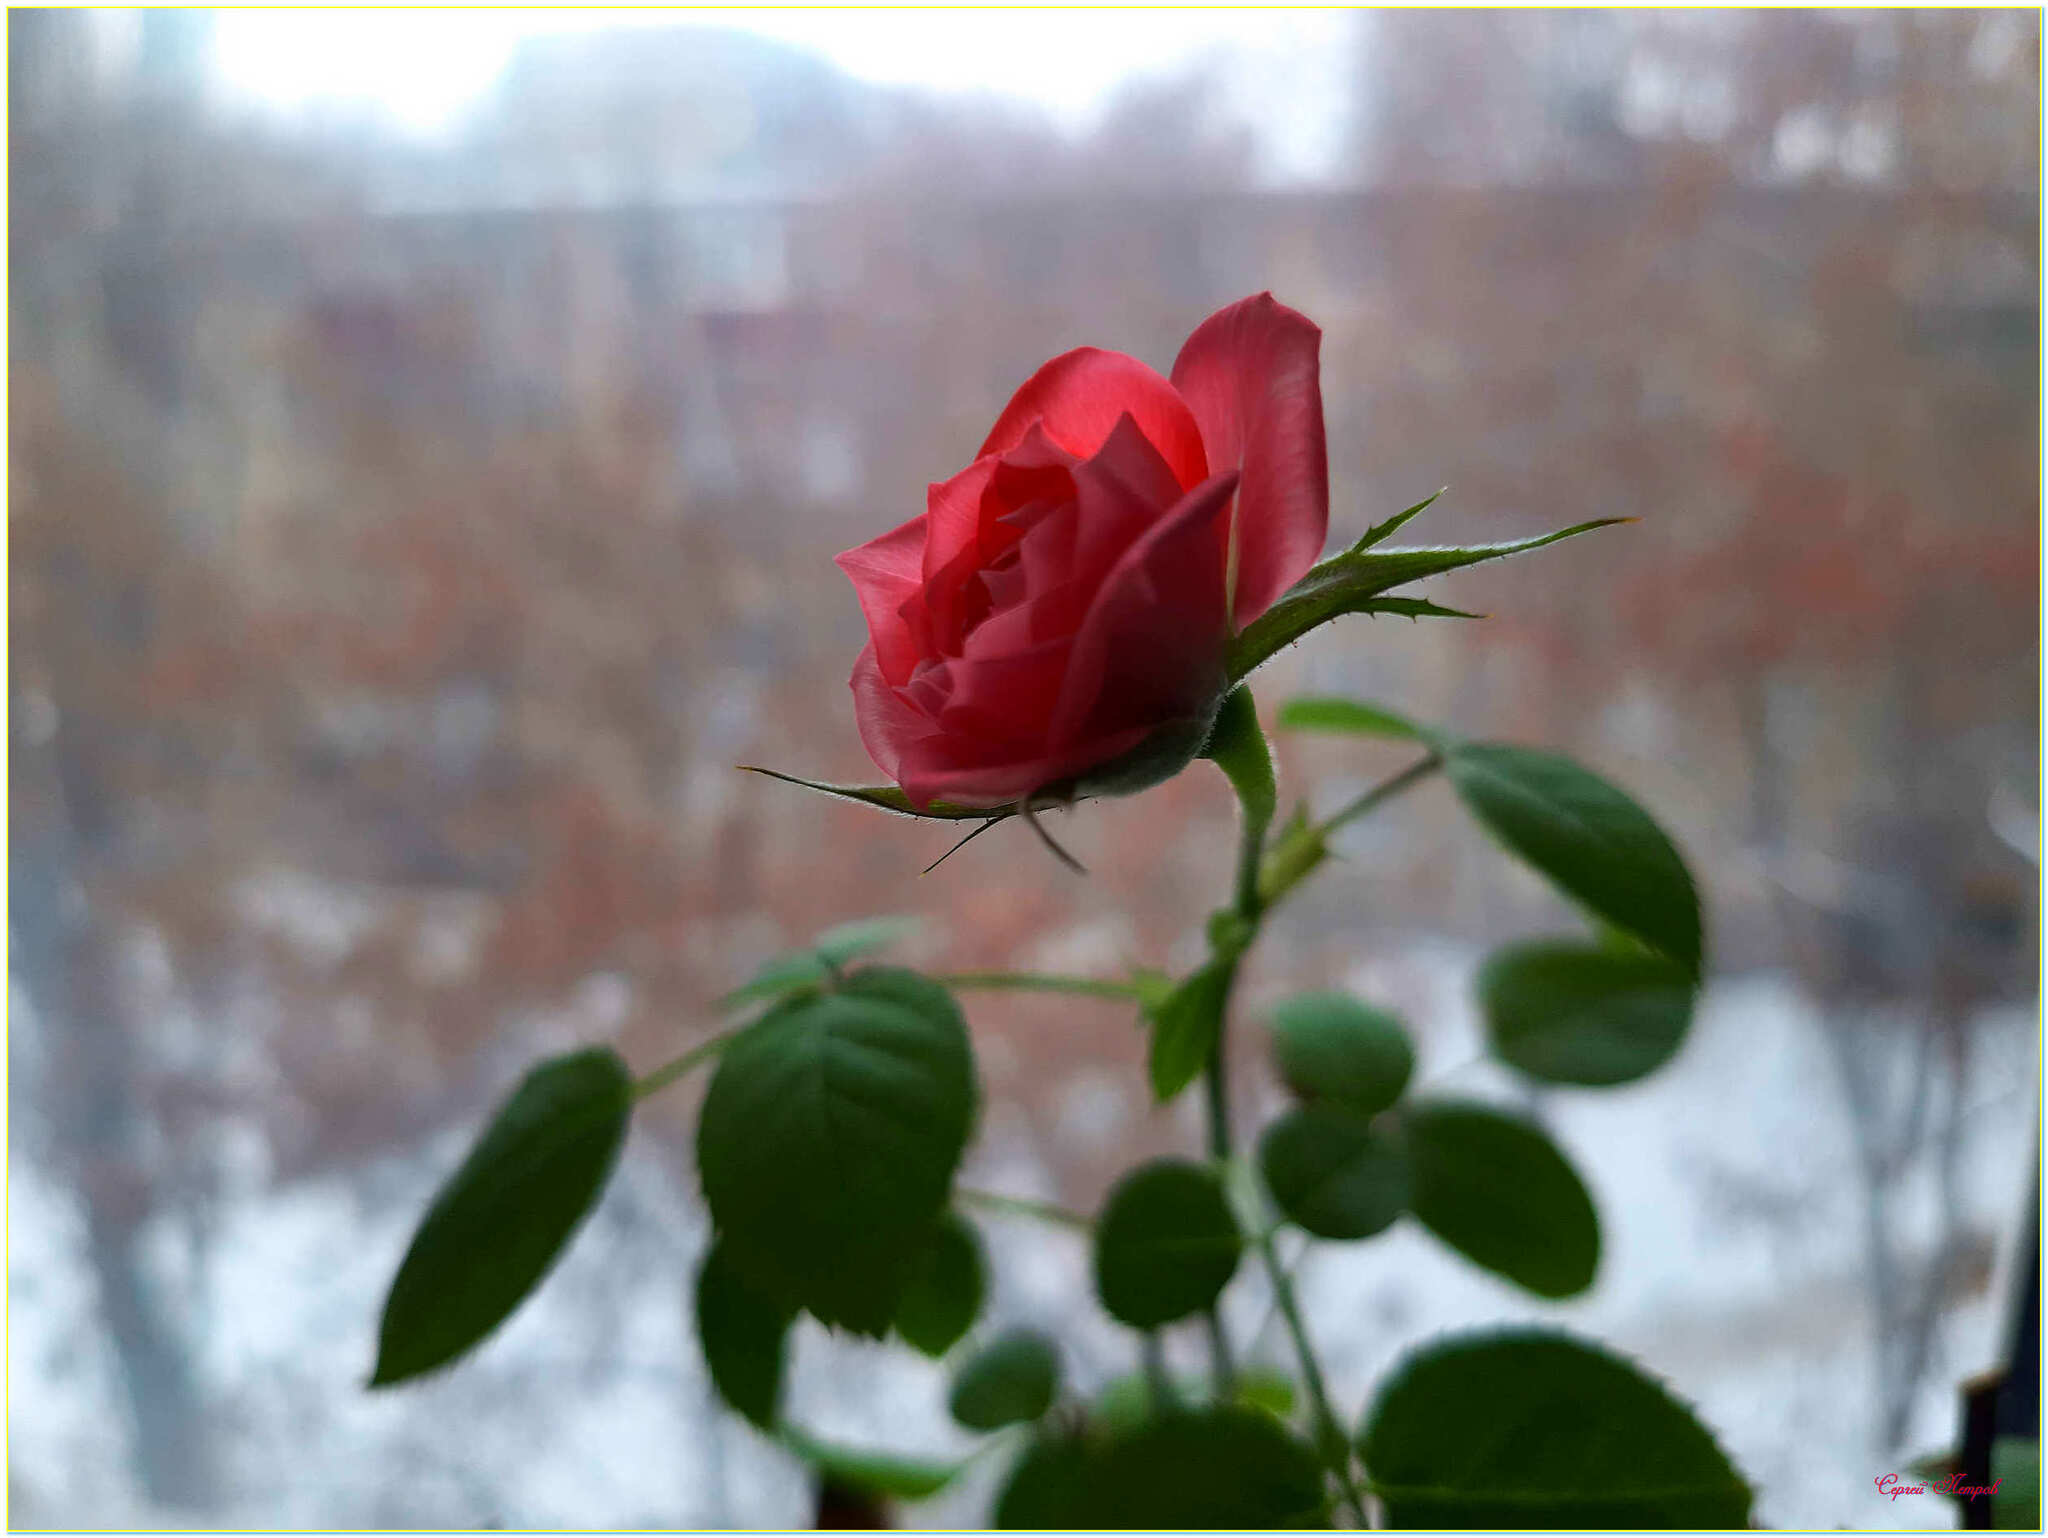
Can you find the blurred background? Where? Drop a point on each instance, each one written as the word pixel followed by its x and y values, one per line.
pixel 429 438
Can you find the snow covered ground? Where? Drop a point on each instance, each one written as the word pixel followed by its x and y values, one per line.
pixel 1734 1266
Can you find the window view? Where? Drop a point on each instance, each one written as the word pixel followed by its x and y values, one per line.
pixel 430 440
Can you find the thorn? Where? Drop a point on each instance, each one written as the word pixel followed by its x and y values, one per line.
pixel 971 837
pixel 1029 814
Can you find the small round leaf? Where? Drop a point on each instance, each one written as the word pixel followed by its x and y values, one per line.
pixel 501 1220
pixel 1011 1379
pixel 743 1332
pixel 1496 1189
pixel 1333 1173
pixel 829 1137
pixel 1573 1013
pixel 1165 1244
pixel 1587 837
pixel 945 1290
pixel 1529 1428
pixel 1329 1046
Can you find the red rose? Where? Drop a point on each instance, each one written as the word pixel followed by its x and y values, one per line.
pixel 1056 620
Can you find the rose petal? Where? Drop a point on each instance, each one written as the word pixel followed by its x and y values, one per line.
pixel 1151 646
pixel 1250 373
pixel 1079 397
pixel 889 726
pixel 886 573
pixel 942 769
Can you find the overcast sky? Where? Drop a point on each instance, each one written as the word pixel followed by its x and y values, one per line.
pixel 1284 71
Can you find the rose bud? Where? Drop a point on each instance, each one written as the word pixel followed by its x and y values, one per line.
pixel 1054 624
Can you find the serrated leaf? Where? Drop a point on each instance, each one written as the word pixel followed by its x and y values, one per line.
pixel 1330 1046
pixel 1596 844
pixel 832 949
pixel 1011 1379
pixel 945 1290
pixel 1332 1173
pixel 883 1474
pixel 1497 1190
pixel 1185 1028
pixel 890 798
pixel 1383 531
pixel 1348 583
pixel 1325 713
pixel 829 1136
pixel 1572 1013
pixel 504 1217
pixel 1165 1245
pixel 1529 1428
pixel 743 1332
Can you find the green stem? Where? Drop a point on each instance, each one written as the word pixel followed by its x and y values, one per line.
pixel 1330 1438
pixel 662 1077
pixel 1302 849
pixel 1239 748
pixel 1384 791
pixel 1042 982
pixel 1023 1207
pixel 1157 1379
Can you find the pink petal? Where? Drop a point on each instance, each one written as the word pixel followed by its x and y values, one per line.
pixel 1150 650
pixel 1079 397
pixel 886 573
pixel 1250 374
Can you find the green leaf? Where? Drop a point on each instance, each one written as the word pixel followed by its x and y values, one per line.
pixel 1053 1487
pixel 828 1140
pixel 1596 844
pixel 1266 1388
pixel 1165 1244
pixel 1382 531
pixel 945 1290
pixel 890 798
pixel 884 1474
pixel 1493 1187
pixel 1223 1466
pixel 1185 1028
pixel 1573 1013
pixel 1325 713
pixel 1351 582
pixel 1152 987
pixel 1332 1173
pixel 507 1213
pixel 2016 1470
pixel 830 951
pixel 744 1334
pixel 1529 1428
pixel 1329 1046
pixel 1127 1400
pixel 1011 1379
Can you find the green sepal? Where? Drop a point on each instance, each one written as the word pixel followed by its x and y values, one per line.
pixel 1352 582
